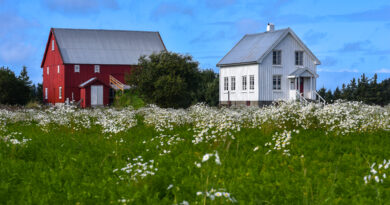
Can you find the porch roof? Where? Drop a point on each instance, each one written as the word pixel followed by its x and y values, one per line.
pixel 302 72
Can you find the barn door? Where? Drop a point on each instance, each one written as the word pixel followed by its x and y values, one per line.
pixel 96 95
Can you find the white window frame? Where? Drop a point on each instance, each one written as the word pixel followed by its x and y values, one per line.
pixel 52 45
pixel 233 83
pixel 46 94
pixel 277 57
pixel 77 68
pixel 299 58
pixel 252 82
pixel 58 69
pixel 97 68
pixel 226 83
pixel 59 92
pixel 47 70
pixel 276 82
pixel 244 82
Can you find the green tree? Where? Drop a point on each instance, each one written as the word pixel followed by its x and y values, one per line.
pixel 166 79
pixel 209 87
pixel 337 94
pixel 12 89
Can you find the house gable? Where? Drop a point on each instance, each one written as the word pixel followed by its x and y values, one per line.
pixel 56 53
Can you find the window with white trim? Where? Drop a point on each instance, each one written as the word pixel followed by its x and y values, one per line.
pixel 45 93
pixel 298 57
pixel 233 82
pixel 47 70
pixel 276 82
pixel 58 69
pixel 60 93
pixel 52 45
pixel 77 68
pixel 244 83
pixel 251 82
pixel 277 57
pixel 225 83
pixel 97 68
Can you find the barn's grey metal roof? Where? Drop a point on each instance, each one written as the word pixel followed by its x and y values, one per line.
pixel 113 47
pixel 252 48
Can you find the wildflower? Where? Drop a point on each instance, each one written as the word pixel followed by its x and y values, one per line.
pixel 170 186
pixel 206 157
pixel 199 193
pixel 256 148
pixel 218 194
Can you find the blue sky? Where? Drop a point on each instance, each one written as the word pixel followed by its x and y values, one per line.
pixel 349 37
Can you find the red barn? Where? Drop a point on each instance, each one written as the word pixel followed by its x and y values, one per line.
pixel 84 65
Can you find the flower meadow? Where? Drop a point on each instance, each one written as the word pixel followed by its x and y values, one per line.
pixel 286 153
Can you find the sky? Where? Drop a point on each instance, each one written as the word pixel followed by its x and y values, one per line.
pixel 349 37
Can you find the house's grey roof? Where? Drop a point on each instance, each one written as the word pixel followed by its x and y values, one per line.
pixel 114 47
pixel 253 48
pixel 302 72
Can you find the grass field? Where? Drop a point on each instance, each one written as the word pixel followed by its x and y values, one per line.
pixel 285 154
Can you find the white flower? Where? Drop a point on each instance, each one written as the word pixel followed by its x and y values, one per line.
pixel 218 194
pixel 170 186
pixel 376 178
pixel 217 160
pixel 256 148
pixel 199 193
pixel 206 157
pixel 198 164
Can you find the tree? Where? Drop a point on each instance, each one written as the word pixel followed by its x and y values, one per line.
pixel 337 94
pixel 12 89
pixel 166 79
pixel 209 87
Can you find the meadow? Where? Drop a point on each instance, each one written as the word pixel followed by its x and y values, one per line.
pixel 281 154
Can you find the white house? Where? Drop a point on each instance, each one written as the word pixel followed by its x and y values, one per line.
pixel 266 67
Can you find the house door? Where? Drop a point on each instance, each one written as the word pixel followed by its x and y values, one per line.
pixel 301 85
pixel 96 95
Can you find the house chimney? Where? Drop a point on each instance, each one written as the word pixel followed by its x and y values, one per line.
pixel 270 27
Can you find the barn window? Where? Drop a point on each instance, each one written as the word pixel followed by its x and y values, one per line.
pixel 60 93
pixel 58 69
pixel 47 70
pixel 277 57
pixel 45 93
pixel 276 82
pixel 298 57
pixel 226 83
pixel 97 68
pixel 252 82
pixel 233 81
pixel 244 82
pixel 52 45
pixel 77 68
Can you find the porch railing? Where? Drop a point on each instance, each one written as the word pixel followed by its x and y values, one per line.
pixel 300 97
pixel 116 83
pixel 320 98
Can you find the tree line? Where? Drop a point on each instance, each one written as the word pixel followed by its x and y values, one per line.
pixel 364 89
pixel 18 90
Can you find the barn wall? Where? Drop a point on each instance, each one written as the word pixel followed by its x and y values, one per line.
pixel 288 46
pixel 239 94
pixel 53 80
pixel 73 79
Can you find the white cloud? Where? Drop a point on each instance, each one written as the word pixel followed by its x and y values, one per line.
pixel 383 70
pixel 338 71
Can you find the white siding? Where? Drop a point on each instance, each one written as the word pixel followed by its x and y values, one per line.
pixel 288 46
pixel 239 94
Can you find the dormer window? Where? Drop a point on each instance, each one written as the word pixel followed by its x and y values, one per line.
pixel 97 68
pixel 52 45
pixel 298 57
pixel 277 57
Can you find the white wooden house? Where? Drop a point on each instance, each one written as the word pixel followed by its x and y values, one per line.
pixel 266 67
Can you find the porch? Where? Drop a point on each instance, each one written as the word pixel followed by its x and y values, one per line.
pixel 302 84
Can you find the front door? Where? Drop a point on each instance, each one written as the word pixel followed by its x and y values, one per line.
pixel 96 95
pixel 301 86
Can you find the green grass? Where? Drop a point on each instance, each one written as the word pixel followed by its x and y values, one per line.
pixel 64 166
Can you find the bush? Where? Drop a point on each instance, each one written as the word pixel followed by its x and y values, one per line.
pixel 128 98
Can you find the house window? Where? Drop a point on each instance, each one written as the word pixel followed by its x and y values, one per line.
pixel 298 57
pixel 52 45
pixel 277 57
pixel 47 70
pixel 276 85
pixel 77 68
pixel 45 93
pixel 60 93
pixel 244 82
pixel 58 69
pixel 226 83
pixel 233 80
pixel 292 84
pixel 97 68
pixel 252 82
